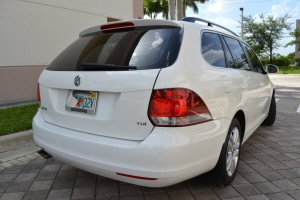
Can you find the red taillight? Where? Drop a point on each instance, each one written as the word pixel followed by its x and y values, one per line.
pixel 137 177
pixel 38 93
pixel 177 107
pixel 117 25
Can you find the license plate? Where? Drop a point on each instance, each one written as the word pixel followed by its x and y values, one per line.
pixel 82 101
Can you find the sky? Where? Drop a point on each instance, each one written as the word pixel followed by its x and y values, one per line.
pixel 227 13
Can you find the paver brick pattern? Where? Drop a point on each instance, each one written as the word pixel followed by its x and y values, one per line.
pixel 269 169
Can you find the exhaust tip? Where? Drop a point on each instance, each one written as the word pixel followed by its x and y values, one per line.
pixel 44 154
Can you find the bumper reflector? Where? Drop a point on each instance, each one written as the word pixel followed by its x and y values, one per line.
pixel 137 177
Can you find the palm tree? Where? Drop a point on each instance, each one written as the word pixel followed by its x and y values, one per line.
pixel 179 5
pixel 192 4
pixel 166 7
pixel 152 8
pixel 172 9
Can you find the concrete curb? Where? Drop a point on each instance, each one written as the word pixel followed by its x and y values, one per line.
pixel 15 140
pixel 4 105
pixel 8 103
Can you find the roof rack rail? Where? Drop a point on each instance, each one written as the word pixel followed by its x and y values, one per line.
pixel 209 23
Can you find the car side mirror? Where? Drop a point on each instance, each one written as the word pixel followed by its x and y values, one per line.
pixel 272 69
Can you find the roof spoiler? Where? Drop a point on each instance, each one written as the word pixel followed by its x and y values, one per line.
pixel 127 25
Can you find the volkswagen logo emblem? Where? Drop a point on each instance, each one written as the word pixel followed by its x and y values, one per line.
pixel 77 80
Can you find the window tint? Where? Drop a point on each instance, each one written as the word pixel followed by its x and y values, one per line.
pixel 145 48
pixel 150 47
pixel 212 49
pixel 230 60
pixel 257 66
pixel 238 54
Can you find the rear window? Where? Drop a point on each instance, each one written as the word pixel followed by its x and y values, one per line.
pixel 144 49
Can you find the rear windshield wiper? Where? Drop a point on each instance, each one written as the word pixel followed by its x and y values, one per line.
pixel 97 66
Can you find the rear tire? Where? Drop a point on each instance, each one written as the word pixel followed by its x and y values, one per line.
pixel 226 167
pixel 269 121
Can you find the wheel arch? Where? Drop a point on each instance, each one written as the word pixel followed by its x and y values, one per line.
pixel 240 115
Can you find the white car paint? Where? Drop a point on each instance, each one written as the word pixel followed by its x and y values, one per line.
pixel 132 88
pixel 112 141
pixel 169 154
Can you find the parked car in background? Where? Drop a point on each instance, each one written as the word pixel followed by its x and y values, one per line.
pixel 154 102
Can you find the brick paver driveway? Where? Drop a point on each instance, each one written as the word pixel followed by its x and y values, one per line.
pixel 269 169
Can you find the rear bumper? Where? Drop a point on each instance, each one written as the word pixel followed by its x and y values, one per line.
pixel 171 155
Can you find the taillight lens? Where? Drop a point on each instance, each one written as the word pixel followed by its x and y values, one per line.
pixel 177 107
pixel 38 93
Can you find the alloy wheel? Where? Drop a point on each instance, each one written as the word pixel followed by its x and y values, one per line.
pixel 233 150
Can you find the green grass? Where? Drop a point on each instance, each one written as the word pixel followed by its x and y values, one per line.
pixel 289 69
pixel 17 118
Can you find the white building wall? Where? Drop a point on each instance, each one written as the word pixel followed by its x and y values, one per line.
pixel 34 32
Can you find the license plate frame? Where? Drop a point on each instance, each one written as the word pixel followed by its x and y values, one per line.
pixel 89 97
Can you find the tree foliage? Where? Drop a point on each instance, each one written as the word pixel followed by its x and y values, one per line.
pixel 264 32
pixel 153 7
pixel 296 41
pixel 279 60
pixel 291 56
pixel 192 4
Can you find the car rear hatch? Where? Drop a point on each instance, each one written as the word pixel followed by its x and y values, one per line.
pixel 102 83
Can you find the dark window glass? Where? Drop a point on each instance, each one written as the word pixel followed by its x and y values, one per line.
pixel 145 48
pixel 257 66
pixel 212 49
pixel 230 60
pixel 238 54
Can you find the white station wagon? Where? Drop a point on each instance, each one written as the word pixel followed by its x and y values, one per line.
pixel 153 102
